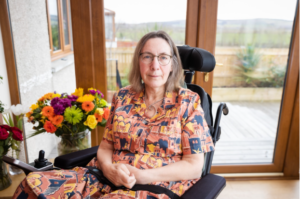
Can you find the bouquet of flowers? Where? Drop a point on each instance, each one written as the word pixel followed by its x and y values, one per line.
pixel 69 116
pixel 9 138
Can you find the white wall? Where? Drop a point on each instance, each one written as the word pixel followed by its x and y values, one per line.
pixel 4 87
pixel 34 66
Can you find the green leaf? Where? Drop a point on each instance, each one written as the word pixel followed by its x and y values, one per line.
pixel 5 119
pixel 1 149
pixel 14 147
pixel 36 133
pixel 10 121
pixel 103 123
pixel 20 123
pixel 7 141
pixel 37 110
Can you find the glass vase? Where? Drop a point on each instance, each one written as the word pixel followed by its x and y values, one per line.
pixel 77 142
pixel 15 154
pixel 5 180
pixel 14 170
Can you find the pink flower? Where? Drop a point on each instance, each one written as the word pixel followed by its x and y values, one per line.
pixel 17 134
pixel 3 133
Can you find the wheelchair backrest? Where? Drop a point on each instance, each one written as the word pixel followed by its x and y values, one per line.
pixel 196 59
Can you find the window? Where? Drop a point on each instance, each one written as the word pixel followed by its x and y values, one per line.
pixel 58 13
pixel 109 25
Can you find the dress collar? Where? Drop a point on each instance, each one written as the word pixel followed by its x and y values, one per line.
pixel 169 101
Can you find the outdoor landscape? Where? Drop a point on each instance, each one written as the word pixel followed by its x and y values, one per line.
pixel 253 52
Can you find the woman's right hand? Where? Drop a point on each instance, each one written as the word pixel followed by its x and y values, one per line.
pixel 119 175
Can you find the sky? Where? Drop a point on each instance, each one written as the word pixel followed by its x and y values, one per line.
pixel 141 11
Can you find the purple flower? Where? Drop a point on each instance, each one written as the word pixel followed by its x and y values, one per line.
pixel 73 98
pixel 99 93
pixel 58 109
pixel 65 102
pixel 93 92
pixel 54 101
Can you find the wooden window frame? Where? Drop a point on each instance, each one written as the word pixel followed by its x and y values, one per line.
pixel 65 49
pixel 201 29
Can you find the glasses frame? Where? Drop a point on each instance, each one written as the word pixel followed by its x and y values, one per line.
pixel 157 58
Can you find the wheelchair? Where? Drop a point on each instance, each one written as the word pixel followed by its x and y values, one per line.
pixel 210 185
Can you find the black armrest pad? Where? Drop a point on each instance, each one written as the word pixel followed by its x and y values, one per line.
pixel 207 187
pixel 78 158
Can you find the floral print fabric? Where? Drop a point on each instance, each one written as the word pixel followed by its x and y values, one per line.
pixel 177 129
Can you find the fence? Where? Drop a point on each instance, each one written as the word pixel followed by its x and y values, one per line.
pixel 224 76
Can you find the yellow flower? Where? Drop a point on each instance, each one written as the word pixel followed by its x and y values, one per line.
pixel 85 98
pixel 43 118
pixel 56 95
pixel 28 114
pixel 99 111
pixel 34 106
pixel 91 121
pixel 92 89
pixel 78 92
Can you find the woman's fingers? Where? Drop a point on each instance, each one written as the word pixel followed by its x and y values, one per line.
pixel 124 168
pixel 119 175
pixel 127 180
pixel 132 183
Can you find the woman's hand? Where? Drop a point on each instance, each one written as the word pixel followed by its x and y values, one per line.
pixel 119 175
pixel 140 175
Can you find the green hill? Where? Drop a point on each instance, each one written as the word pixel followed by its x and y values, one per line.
pixel 269 33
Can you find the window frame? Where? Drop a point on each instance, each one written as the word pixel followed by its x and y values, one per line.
pixel 201 32
pixel 65 49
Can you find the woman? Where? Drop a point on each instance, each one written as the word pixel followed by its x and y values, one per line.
pixel 156 133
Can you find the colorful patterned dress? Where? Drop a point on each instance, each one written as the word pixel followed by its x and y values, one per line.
pixel 177 129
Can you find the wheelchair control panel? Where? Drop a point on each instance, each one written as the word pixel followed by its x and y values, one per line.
pixel 40 164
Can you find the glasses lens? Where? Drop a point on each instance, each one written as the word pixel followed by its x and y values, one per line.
pixel 164 59
pixel 147 58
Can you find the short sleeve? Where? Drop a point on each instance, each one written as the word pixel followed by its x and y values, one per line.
pixel 108 133
pixel 195 137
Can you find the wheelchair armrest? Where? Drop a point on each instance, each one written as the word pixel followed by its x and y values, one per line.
pixel 208 187
pixel 78 158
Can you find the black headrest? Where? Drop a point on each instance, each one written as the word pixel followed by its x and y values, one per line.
pixel 196 59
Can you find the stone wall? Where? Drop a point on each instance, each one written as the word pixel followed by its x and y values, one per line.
pixel 34 66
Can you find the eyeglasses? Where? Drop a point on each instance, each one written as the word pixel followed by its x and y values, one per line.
pixel 163 59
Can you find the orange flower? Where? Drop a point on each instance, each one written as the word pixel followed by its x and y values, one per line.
pixel 48 96
pixel 87 106
pixel 106 113
pixel 48 111
pixel 98 117
pixel 49 127
pixel 57 120
pixel 28 114
pixel 41 99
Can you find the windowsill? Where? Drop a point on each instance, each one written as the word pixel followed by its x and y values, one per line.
pixel 272 174
pixel 62 63
pixel 62 55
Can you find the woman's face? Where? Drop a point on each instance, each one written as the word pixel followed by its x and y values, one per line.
pixel 154 74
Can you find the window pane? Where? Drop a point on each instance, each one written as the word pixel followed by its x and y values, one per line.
pixel 109 32
pixel 65 21
pixel 53 10
pixel 131 19
pixel 252 43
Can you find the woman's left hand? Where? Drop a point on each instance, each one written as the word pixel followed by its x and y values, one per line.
pixel 140 175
